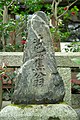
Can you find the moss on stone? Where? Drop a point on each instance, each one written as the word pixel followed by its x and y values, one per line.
pixel 22 106
pixel 63 102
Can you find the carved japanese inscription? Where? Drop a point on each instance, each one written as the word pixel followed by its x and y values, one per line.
pixel 38 81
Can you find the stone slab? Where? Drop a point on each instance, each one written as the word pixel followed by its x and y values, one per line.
pixel 66 76
pixel 62 59
pixel 38 112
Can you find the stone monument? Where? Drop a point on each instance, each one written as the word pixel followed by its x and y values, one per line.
pixel 38 85
pixel 38 80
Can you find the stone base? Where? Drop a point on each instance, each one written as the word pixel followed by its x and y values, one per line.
pixel 38 112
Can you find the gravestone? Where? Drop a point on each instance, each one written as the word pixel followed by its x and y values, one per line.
pixel 38 80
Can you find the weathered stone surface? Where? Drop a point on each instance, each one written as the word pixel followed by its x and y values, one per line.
pixel 66 76
pixel 38 112
pixel 38 81
pixel 78 112
pixel 75 100
pixel 62 59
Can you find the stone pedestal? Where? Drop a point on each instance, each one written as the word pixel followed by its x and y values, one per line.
pixel 38 112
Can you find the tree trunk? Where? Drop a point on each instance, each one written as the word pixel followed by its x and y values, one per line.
pixel 5 19
pixel 12 33
pixel 56 42
pixel 13 37
pixel 55 36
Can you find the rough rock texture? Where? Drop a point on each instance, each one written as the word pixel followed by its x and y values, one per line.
pixel 78 112
pixel 38 112
pixel 38 81
pixel 75 100
pixel 66 76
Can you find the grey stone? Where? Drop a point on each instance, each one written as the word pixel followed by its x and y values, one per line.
pixel 62 59
pixel 75 100
pixel 66 76
pixel 38 112
pixel 78 112
pixel 38 80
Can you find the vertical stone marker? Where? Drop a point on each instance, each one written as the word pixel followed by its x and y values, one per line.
pixel 38 81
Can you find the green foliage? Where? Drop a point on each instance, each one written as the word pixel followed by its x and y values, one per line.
pixel 78 75
pixel 33 5
pixel 76 86
pixel 64 15
pixel 14 9
pixel 13 48
pixel 68 14
pixel 7 76
pixel 75 9
pixel 10 26
pixel 64 35
pixel 9 47
pixel 76 60
pixel 73 47
pixel 19 25
pixel 4 3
